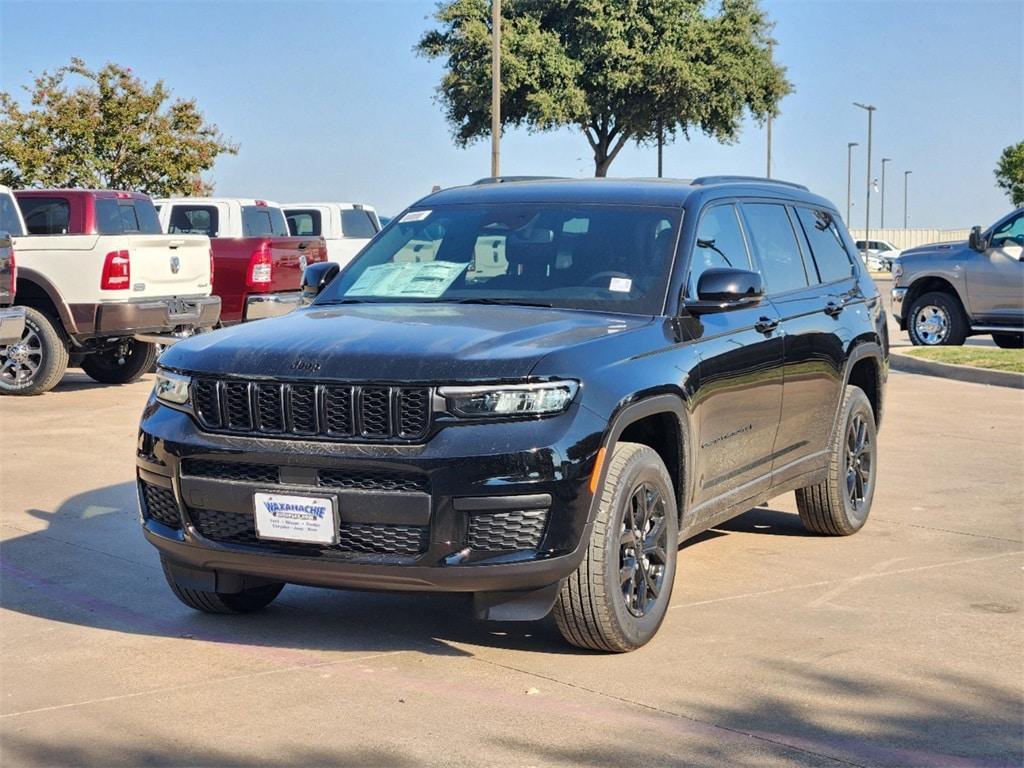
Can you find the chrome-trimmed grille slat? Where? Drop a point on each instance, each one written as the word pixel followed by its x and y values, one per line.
pixel 361 413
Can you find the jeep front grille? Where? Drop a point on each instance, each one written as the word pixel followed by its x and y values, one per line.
pixel 331 411
pixel 507 531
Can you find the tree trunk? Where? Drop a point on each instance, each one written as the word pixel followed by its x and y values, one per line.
pixel 606 148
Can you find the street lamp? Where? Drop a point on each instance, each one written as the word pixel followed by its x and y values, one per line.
pixel 870 109
pixel 849 176
pixel 881 224
pixel 906 176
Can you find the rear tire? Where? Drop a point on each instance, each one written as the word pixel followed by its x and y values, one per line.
pixel 936 320
pixel 37 363
pixel 125 363
pixel 246 601
pixel 616 600
pixel 839 506
pixel 1009 340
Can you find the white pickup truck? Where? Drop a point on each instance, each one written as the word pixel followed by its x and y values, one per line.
pixel 346 227
pixel 101 285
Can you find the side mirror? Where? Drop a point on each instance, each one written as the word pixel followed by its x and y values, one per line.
pixel 316 277
pixel 976 240
pixel 721 289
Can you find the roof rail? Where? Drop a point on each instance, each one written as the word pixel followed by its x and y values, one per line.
pixel 704 181
pixel 506 179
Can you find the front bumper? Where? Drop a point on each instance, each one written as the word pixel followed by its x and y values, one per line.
pixel 897 295
pixel 263 305
pixel 12 324
pixel 472 511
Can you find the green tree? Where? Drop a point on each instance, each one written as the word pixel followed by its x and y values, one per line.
pixel 1010 172
pixel 619 70
pixel 110 131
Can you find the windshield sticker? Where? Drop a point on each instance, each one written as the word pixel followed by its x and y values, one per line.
pixel 425 280
pixel 620 284
pixel 414 216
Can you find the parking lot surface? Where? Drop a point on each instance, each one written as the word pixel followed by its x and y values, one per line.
pixel 898 646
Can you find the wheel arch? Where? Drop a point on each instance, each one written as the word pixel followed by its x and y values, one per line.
pixel 660 422
pixel 928 284
pixel 866 369
pixel 36 291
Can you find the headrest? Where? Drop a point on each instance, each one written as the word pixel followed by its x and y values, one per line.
pixel 537 245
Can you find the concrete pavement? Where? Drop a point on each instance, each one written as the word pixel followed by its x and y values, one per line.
pixel 898 646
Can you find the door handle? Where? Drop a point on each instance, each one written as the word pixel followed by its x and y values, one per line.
pixel 832 309
pixel 766 324
pixel 303 245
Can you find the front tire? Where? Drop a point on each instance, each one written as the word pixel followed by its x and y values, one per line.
pixel 1009 340
pixel 246 601
pixel 617 598
pixel 840 504
pixel 122 364
pixel 936 320
pixel 37 362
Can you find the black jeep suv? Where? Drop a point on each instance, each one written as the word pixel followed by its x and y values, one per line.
pixel 531 392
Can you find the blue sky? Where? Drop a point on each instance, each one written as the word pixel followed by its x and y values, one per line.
pixel 328 100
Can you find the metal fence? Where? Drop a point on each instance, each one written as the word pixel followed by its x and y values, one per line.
pixel 910 238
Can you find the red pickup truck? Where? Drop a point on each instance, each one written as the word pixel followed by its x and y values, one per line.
pixel 258 266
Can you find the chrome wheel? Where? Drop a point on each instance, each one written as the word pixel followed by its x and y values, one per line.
pixel 20 362
pixel 931 324
pixel 859 464
pixel 642 550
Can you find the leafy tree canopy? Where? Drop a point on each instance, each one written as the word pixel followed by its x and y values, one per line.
pixel 1010 172
pixel 619 70
pixel 111 131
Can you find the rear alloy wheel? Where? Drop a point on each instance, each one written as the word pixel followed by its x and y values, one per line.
pixel 840 504
pixel 935 319
pixel 36 363
pixel 1009 340
pixel 125 362
pixel 617 598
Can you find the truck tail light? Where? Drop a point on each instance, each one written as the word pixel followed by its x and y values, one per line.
pixel 211 266
pixel 117 272
pixel 261 269
pixel 14 275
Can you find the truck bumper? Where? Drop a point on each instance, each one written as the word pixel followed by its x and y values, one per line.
pixel 12 324
pixel 263 305
pixel 897 295
pixel 146 316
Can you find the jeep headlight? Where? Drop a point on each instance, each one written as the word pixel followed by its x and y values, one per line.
pixel 171 387
pixel 510 400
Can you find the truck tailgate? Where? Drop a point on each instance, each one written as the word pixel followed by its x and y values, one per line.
pixel 291 255
pixel 169 265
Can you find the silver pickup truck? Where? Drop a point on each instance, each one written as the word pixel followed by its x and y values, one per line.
pixel 945 292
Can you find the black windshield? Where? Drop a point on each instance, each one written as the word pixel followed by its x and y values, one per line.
pixel 607 258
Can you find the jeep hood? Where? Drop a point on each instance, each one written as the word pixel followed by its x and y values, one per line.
pixel 395 342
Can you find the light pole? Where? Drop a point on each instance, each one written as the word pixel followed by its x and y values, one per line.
pixel 849 176
pixel 495 87
pixel 881 224
pixel 870 109
pixel 906 177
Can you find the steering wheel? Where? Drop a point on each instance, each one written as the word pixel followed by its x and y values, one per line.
pixel 593 279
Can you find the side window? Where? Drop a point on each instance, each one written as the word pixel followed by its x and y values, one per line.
pixel 45 215
pixel 305 222
pixel 830 256
pixel 719 243
pixel 771 233
pixel 194 220
pixel 9 221
pixel 356 222
pixel 263 221
pixel 1010 233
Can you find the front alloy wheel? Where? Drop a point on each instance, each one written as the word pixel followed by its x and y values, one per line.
pixel 642 558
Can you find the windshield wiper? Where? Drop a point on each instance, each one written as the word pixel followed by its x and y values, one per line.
pixel 507 302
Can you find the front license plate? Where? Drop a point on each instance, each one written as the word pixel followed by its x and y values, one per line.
pixel 309 519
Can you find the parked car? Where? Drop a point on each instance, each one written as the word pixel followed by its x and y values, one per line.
pixel 257 264
pixel 346 227
pixel 880 254
pixel 542 438
pixel 101 285
pixel 12 318
pixel 945 292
